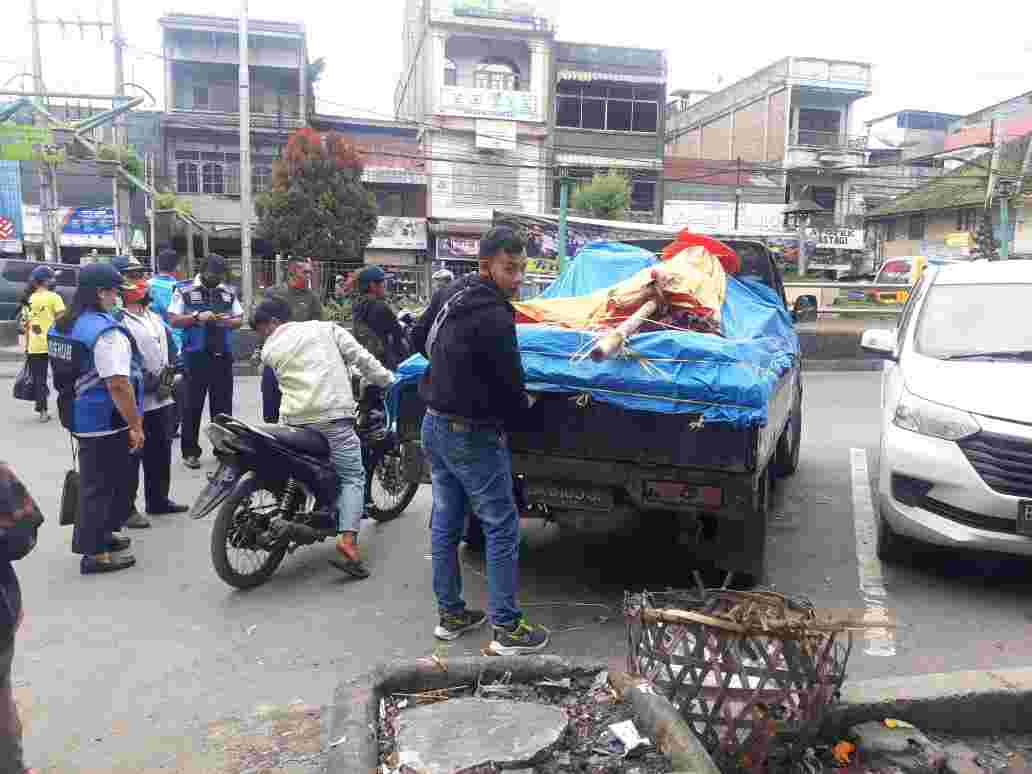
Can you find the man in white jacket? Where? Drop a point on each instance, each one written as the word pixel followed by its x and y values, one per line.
pixel 313 362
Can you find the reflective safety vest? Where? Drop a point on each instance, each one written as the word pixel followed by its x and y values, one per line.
pixel 201 337
pixel 84 402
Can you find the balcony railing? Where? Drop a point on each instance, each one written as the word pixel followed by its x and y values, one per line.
pixel 828 140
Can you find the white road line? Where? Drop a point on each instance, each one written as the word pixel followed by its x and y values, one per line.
pixel 880 642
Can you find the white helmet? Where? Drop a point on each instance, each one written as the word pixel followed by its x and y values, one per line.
pixel 443 276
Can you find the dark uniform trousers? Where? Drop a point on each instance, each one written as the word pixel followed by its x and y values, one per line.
pixel 105 478
pixel 207 376
pixel 156 459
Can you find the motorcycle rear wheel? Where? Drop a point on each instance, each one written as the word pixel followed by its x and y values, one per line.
pixel 387 492
pixel 243 515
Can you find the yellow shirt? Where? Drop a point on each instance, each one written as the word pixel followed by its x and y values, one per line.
pixel 44 308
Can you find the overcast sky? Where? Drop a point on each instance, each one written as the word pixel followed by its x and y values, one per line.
pixel 925 55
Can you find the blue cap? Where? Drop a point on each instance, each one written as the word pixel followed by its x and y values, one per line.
pixel 41 274
pixel 369 275
pixel 102 276
pixel 124 263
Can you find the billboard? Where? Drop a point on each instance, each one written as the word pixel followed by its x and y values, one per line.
pixel 80 226
pixel 10 208
pixel 719 217
pixel 19 142
pixel 458 248
pixel 395 233
pixel 489 103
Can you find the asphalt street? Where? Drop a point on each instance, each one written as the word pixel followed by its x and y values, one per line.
pixel 155 669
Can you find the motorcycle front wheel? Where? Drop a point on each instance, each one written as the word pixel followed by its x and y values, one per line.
pixel 387 492
pixel 242 517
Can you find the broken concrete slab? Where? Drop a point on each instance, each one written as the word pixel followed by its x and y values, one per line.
pixel 461 734
pixel 902 747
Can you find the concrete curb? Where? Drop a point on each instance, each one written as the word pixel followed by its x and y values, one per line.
pixel 959 702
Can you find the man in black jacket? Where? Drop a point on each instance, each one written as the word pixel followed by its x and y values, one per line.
pixel 474 390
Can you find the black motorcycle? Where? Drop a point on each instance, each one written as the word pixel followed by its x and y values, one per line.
pixel 275 490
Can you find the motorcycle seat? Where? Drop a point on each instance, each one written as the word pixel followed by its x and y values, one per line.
pixel 299 439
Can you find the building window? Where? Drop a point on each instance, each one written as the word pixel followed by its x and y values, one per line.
pixel 917 227
pixel 212 179
pixel 200 97
pixel 819 127
pixel 390 203
pixel 496 74
pixel 967 219
pixel 890 230
pixel 186 177
pixel 451 73
pixel 261 179
pixel 643 195
pixel 616 108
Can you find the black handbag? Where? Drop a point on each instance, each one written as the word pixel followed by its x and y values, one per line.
pixel 24 384
pixel 70 493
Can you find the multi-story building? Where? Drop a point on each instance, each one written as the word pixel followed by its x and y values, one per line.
pixel 609 115
pixel 201 124
pixel 475 78
pixel 790 121
pixel 395 172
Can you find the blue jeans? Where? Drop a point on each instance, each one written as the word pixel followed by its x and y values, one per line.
pixel 473 468
pixel 346 456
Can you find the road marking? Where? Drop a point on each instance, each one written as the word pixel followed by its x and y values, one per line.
pixel 880 642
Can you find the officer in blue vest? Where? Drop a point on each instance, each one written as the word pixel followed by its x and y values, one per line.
pixel 162 286
pixel 207 310
pixel 99 381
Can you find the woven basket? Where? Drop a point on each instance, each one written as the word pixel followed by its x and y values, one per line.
pixel 753 673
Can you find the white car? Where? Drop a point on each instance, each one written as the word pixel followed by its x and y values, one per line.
pixel 956 440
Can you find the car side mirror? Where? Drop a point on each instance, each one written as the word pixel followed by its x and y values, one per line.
pixel 879 341
pixel 805 309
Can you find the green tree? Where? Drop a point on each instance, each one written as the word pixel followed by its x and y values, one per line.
pixel 317 205
pixel 607 196
pixel 986 245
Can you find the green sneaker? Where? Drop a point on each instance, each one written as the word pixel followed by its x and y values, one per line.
pixel 520 640
pixel 452 627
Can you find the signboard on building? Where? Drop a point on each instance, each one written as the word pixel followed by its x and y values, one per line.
pixel 18 140
pixel 719 217
pixel 458 248
pixel 10 208
pixel 496 135
pixel 509 10
pixel 394 233
pixel 837 238
pixel 490 103
pixel 393 175
pixel 588 75
pixel 80 226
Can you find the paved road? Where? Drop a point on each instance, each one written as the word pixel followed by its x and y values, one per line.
pixel 166 668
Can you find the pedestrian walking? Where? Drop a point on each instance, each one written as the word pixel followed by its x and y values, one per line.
pixel 20 520
pixel 312 362
pixel 304 306
pixel 99 381
pixel 41 306
pixel 154 342
pixel 162 286
pixel 207 310
pixel 474 390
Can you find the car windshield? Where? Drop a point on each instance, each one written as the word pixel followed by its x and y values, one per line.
pixel 973 320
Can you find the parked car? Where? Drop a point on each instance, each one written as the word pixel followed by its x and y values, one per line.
pixel 14 277
pixel 956 424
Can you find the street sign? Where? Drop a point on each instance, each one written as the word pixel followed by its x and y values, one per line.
pixel 20 142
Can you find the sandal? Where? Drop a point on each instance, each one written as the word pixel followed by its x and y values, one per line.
pixel 353 567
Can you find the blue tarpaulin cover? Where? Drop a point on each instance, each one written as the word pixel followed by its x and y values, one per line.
pixel 726 379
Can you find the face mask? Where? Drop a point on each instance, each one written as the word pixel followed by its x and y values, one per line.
pixel 138 294
pixel 210 281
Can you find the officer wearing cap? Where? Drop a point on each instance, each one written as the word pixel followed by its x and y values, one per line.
pixel 99 381
pixel 207 310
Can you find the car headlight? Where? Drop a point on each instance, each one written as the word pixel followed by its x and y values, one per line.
pixel 922 416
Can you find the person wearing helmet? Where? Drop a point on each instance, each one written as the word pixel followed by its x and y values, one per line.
pixel 41 306
pixel 442 279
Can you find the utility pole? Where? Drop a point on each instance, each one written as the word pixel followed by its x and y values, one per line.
pixel 47 181
pixel 247 288
pixel 738 192
pixel 564 198
pixel 120 191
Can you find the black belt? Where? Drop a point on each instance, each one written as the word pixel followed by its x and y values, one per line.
pixel 464 425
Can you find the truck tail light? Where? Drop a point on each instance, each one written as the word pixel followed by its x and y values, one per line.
pixel 680 493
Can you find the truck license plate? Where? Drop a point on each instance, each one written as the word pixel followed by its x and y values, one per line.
pixel 1025 517
pixel 572 496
